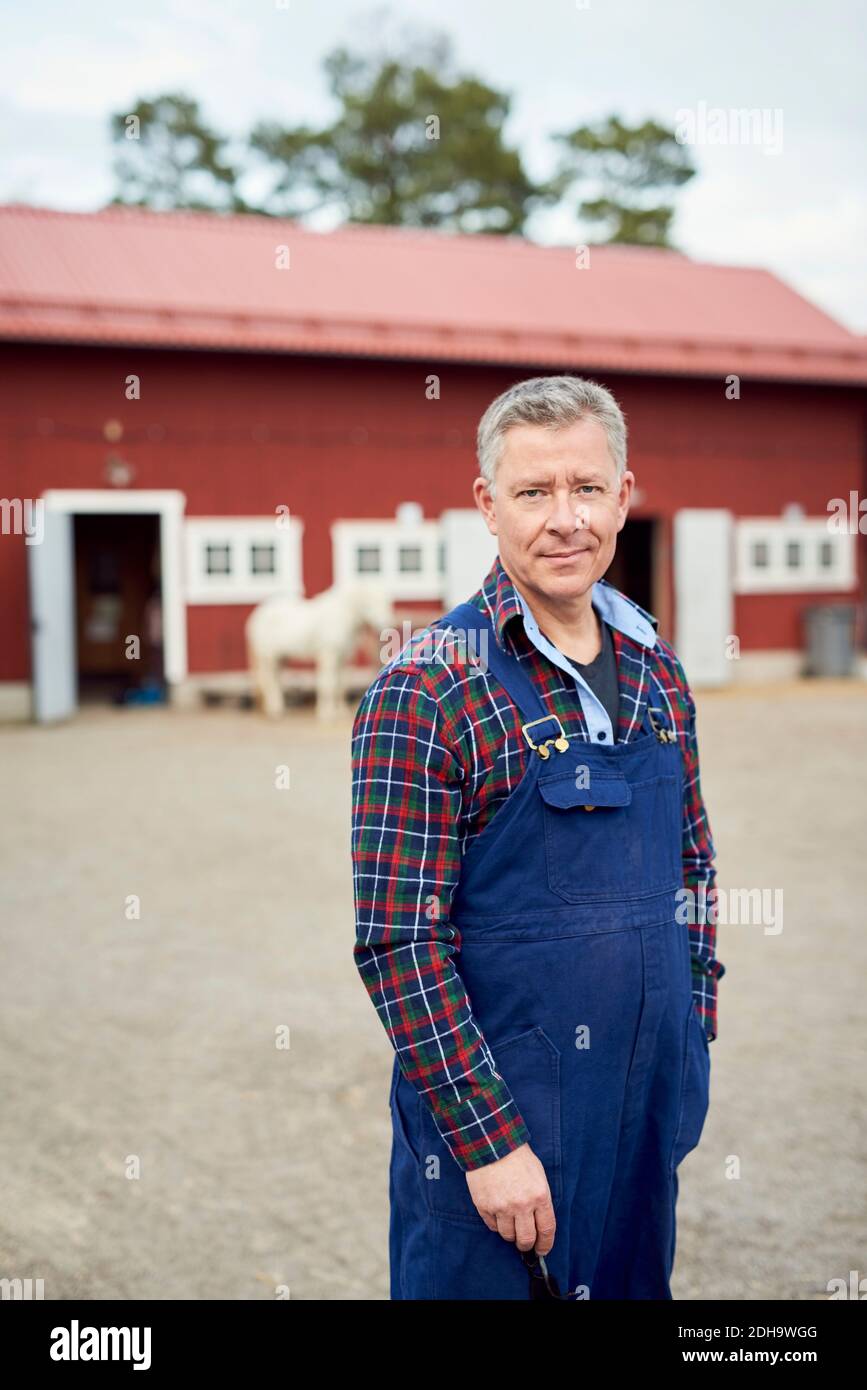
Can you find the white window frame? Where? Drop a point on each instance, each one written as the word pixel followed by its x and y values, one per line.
pixel 390 535
pixel 169 505
pixel 240 534
pixel 778 577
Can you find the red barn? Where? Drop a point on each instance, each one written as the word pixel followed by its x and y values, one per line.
pixel 208 409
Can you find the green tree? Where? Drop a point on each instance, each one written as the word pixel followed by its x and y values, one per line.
pixel 628 167
pixel 169 158
pixel 414 143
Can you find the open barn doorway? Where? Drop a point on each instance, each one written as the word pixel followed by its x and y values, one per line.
pixel 118 606
pixel 639 568
pixel 104 554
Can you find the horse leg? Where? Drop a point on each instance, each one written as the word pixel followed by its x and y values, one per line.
pixel 327 683
pixel 253 666
pixel 268 676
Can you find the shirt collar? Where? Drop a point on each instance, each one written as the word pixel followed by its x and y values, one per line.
pixel 505 602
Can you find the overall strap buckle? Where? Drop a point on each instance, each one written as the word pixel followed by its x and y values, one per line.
pixel 561 743
pixel 662 731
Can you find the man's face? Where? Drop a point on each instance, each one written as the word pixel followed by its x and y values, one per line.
pixel 558 507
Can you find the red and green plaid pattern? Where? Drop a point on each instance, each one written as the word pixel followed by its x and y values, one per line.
pixel 427 777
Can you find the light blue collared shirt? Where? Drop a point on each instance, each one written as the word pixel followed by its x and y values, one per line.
pixel 616 610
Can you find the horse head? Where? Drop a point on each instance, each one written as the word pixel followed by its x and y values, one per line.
pixel 371 605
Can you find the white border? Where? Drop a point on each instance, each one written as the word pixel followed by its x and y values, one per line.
pixel 777 577
pixel 390 534
pixel 239 532
pixel 169 506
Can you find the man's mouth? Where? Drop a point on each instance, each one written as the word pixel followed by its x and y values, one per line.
pixel 564 554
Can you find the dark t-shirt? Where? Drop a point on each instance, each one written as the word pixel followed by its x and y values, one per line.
pixel 601 676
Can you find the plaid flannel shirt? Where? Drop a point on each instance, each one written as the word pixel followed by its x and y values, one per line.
pixel 426 780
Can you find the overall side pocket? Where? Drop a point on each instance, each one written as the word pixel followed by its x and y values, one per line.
pixel 405 1161
pixel 530 1065
pixel 696 1088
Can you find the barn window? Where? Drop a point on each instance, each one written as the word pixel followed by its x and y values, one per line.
pixel 401 552
pixel 368 559
pixel 779 553
pixel 409 559
pixel 263 559
pixel 218 559
pixel 242 559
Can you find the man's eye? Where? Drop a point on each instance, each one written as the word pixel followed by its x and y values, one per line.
pixel 537 491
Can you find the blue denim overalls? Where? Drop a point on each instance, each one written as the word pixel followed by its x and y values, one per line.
pixel 579 977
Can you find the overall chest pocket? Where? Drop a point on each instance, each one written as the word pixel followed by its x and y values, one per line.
pixel 530 1065
pixel 611 839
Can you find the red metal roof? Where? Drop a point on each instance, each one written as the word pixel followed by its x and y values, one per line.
pixel 204 280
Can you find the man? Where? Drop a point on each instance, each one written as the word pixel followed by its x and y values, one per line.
pixel 527 814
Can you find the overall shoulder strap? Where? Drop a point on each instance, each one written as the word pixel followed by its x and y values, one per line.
pixel 503 665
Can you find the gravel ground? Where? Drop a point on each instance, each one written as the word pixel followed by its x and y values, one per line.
pixel 158 1143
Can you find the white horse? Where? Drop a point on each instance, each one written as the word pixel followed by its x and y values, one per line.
pixel 325 628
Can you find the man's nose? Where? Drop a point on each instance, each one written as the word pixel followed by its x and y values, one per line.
pixel 565 517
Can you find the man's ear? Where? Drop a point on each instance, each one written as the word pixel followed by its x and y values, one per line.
pixel 485 504
pixel 627 483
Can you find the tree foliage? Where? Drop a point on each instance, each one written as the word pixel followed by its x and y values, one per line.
pixel 413 143
pixel 630 166
pixel 169 158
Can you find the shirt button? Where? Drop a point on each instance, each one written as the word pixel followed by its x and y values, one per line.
pixel 601 735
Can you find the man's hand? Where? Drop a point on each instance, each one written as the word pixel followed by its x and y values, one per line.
pixel 512 1197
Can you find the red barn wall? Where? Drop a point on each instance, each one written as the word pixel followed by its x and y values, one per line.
pixel 340 438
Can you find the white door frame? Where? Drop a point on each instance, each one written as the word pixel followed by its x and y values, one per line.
pixel 50 567
pixel 470 550
pixel 703 593
pixel 169 505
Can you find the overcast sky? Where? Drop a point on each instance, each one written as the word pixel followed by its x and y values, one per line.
pixel 795 202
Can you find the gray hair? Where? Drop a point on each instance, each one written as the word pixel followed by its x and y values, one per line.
pixel 555 401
